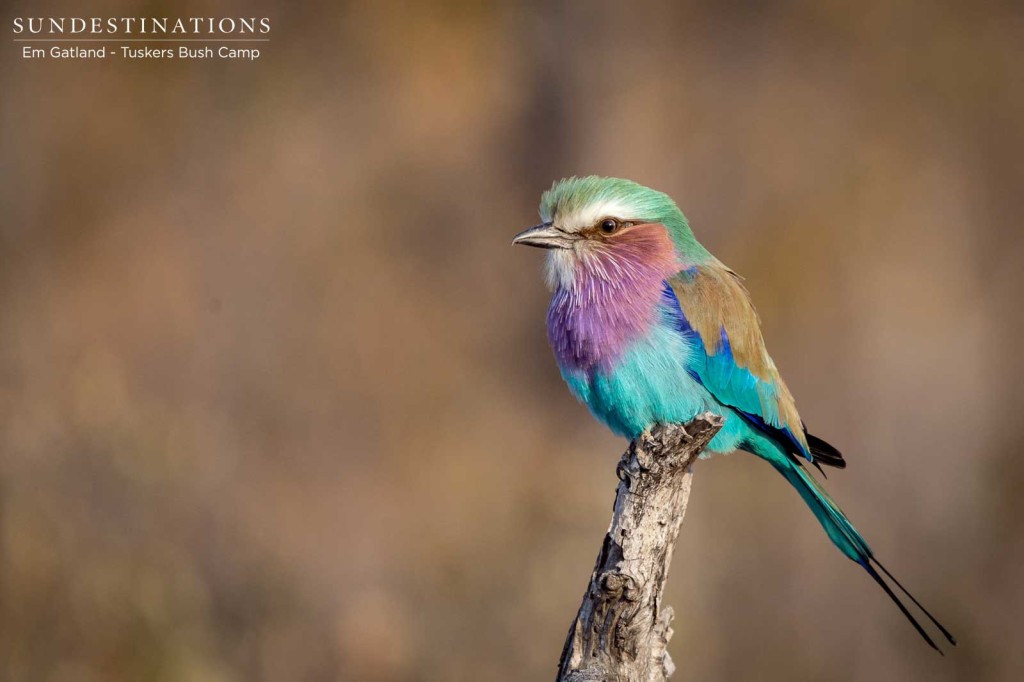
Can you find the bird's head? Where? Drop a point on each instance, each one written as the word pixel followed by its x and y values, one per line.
pixel 610 226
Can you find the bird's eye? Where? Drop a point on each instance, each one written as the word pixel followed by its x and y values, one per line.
pixel 609 225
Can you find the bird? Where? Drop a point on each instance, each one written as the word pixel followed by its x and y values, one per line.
pixel 648 327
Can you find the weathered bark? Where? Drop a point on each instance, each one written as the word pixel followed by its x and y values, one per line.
pixel 622 630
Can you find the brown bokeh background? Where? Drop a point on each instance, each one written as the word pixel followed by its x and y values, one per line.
pixel 275 397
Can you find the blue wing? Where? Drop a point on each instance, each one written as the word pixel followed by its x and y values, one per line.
pixel 756 399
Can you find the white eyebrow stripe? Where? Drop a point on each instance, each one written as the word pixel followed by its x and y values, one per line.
pixel 591 213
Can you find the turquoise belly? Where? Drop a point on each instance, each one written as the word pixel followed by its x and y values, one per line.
pixel 649 384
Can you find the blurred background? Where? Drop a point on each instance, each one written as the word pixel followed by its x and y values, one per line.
pixel 276 401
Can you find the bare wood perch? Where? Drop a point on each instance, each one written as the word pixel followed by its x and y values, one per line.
pixel 622 630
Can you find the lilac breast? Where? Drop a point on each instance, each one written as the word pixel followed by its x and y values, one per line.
pixel 613 299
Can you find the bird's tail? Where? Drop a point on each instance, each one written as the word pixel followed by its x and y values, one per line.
pixel 849 541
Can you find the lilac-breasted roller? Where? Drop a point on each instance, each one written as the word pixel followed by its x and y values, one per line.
pixel 648 327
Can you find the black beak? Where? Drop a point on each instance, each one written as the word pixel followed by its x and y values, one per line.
pixel 545 236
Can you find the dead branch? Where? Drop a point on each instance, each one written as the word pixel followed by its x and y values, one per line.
pixel 622 630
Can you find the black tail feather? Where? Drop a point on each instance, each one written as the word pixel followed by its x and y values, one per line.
pixel 892 595
pixel 824 452
pixel 945 632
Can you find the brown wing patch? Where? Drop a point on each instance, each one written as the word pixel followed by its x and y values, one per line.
pixel 714 299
